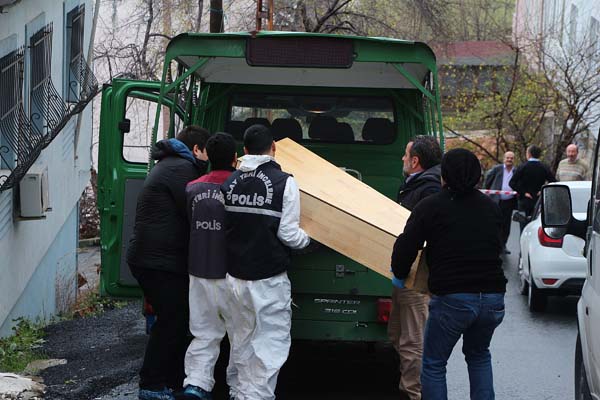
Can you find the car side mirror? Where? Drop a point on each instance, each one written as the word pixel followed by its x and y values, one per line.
pixel 557 213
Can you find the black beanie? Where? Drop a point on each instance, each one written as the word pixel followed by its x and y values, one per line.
pixel 461 170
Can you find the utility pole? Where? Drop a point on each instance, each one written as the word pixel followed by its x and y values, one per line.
pixel 216 16
pixel 267 14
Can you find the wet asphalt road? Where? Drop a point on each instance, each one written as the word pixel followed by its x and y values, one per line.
pixel 532 358
pixel 532 355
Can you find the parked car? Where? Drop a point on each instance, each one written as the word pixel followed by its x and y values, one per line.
pixel 558 221
pixel 553 267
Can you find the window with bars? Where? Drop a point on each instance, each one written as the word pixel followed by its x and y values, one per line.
pixel 11 107
pixel 74 52
pixel 47 110
pixel 19 145
pixel 80 80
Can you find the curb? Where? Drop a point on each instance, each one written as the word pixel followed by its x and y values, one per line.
pixel 89 242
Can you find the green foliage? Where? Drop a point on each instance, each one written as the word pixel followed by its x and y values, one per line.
pixel 510 107
pixel 22 347
pixel 92 304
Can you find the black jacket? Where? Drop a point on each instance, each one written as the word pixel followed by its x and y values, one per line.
pixel 463 238
pixel 530 177
pixel 420 186
pixel 161 232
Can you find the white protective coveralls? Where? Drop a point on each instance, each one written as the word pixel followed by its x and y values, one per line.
pixel 262 314
pixel 210 318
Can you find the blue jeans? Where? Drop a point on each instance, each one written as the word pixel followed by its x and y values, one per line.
pixel 473 316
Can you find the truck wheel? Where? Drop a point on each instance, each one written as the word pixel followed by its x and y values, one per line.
pixel 523 285
pixel 582 389
pixel 536 298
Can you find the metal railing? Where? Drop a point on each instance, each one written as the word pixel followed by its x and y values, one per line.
pixel 24 135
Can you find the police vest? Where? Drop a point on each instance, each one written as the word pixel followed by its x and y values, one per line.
pixel 254 201
pixel 207 249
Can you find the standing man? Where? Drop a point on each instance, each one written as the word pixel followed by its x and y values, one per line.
pixel 528 180
pixel 158 257
pixel 263 224
pixel 409 308
pixel 210 296
pixel 462 229
pixel 497 179
pixel 572 168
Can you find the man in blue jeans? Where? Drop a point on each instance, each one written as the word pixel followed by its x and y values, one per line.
pixel 462 229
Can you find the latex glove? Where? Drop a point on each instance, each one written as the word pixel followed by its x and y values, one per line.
pixel 399 283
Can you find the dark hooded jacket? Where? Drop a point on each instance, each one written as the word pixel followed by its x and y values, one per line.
pixel 419 186
pixel 161 233
pixel 462 229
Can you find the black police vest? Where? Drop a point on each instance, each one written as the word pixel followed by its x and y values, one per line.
pixel 207 250
pixel 254 201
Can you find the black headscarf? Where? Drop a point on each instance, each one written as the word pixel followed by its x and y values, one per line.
pixel 461 170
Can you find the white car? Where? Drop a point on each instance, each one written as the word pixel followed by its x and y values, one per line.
pixel 550 266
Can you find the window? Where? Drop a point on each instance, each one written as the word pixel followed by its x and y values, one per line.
pixel 573 26
pixel 137 142
pixel 75 66
pixel 305 118
pixel 47 109
pixel 11 109
pixel 594 34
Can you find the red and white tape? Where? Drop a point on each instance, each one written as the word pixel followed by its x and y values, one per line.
pixel 505 192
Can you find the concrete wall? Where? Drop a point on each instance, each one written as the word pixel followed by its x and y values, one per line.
pixel 33 253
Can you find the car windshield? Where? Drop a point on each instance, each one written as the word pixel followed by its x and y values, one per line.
pixel 580 197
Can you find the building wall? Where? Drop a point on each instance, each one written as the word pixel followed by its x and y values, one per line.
pixel 561 27
pixel 33 253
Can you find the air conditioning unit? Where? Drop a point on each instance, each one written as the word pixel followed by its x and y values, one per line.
pixel 34 193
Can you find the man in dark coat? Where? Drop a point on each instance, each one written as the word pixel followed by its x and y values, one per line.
pixel 409 308
pixel 158 254
pixel 498 178
pixel 528 180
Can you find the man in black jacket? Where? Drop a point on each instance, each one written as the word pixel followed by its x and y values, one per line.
pixel 157 256
pixel 461 227
pixel 409 308
pixel 528 180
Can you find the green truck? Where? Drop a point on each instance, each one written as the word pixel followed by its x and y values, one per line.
pixel 354 101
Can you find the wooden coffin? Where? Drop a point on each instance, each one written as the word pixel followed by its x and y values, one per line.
pixel 343 213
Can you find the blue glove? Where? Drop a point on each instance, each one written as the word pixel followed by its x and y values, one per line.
pixel 399 283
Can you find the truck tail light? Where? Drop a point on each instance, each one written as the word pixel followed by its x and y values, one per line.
pixel 384 309
pixel 547 241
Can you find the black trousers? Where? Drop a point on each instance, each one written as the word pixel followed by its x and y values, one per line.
pixel 169 338
pixel 526 205
pixel 507 207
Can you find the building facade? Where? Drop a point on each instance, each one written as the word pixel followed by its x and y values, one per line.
pixel 45 152
pixel 564 33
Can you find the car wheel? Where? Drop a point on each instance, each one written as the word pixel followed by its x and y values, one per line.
pixel 536 299
pixel 582 389
pixel 523 285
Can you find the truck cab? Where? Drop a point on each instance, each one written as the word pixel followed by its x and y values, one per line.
pixel 355 101
pixel 556 203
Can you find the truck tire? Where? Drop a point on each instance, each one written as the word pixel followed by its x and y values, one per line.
pixel 582 389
